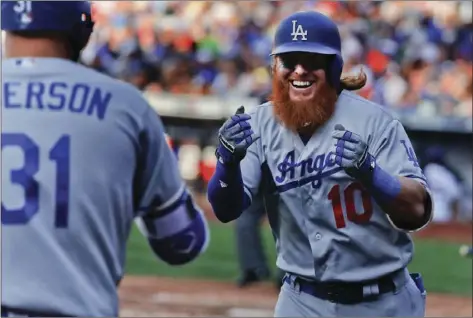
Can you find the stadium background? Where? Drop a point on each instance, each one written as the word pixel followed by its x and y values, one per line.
pixel 196 62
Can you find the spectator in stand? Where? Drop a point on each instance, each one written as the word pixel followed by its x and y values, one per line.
pixel 418 55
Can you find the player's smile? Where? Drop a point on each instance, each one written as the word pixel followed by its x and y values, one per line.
pixel 305 72
pixel 302 90
pixel 303 85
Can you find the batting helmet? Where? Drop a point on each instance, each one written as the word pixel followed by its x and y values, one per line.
pixel 311 32
pixel 73 18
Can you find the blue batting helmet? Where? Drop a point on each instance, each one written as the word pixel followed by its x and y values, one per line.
pixel 73 18
pixel 310 32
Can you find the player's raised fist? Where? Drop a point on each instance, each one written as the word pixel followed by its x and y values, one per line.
pixel 235 136
pixel 351 152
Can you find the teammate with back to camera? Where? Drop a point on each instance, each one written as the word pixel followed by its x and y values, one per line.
pixel 343 173
pixel 82 156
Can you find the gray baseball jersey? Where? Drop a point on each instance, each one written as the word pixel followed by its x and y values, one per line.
pixel 330 228
pixel 72 183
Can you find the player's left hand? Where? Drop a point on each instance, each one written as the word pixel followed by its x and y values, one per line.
pixel 351 152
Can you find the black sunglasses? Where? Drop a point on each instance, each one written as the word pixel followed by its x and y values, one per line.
pixel 310 61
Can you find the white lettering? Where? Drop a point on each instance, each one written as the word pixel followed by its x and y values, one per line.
pixel 299 31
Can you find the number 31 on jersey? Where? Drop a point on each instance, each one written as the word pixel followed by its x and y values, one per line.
pixel 25 178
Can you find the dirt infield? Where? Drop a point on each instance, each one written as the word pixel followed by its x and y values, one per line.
pixel 165 297
pixel 452 232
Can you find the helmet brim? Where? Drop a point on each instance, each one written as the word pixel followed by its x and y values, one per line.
pixel 303 47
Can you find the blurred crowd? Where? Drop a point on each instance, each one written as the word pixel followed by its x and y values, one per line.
pixel 417 54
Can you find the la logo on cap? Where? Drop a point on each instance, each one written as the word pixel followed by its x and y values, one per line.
pixel 298 30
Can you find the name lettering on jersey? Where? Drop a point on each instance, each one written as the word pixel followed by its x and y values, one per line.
pixel 310 170
pixel 411 155
pixel 78 98
pixel 298 30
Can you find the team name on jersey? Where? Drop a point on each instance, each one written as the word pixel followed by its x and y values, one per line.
pixel 78 98
pixel 310 170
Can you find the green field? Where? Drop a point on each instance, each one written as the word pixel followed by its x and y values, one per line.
pixel 443 269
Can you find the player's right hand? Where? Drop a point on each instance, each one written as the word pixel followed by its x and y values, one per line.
pixel 235 136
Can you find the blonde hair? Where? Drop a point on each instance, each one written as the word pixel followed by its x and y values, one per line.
pixel 353 82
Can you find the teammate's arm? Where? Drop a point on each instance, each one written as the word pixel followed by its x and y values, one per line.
pixel 389 170
pixel 175 227
pixel 230 192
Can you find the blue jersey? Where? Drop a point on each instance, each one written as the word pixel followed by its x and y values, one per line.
pixel 82 156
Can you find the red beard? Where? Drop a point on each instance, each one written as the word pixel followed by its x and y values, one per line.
pixel 303 117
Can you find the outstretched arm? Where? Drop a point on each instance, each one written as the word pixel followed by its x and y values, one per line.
pixel 236 151
pixel 226 193
pixel 177 233
pixel 176 229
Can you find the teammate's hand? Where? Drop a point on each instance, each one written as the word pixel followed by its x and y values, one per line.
pixel 235 136
pixel 351 152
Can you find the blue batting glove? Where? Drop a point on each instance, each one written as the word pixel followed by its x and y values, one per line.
pixel 351 153
pixel 235 136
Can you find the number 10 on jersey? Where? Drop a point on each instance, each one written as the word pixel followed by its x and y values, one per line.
pixel 350 207
pixel 25 178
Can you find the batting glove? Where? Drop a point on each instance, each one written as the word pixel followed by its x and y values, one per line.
pixel 235 136
pixel 351 153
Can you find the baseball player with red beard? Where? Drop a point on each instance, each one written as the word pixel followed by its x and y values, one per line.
pixel 341 174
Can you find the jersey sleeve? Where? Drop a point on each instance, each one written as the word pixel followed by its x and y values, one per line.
pixel 251 165
pixel 158 183
pixel 394 154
